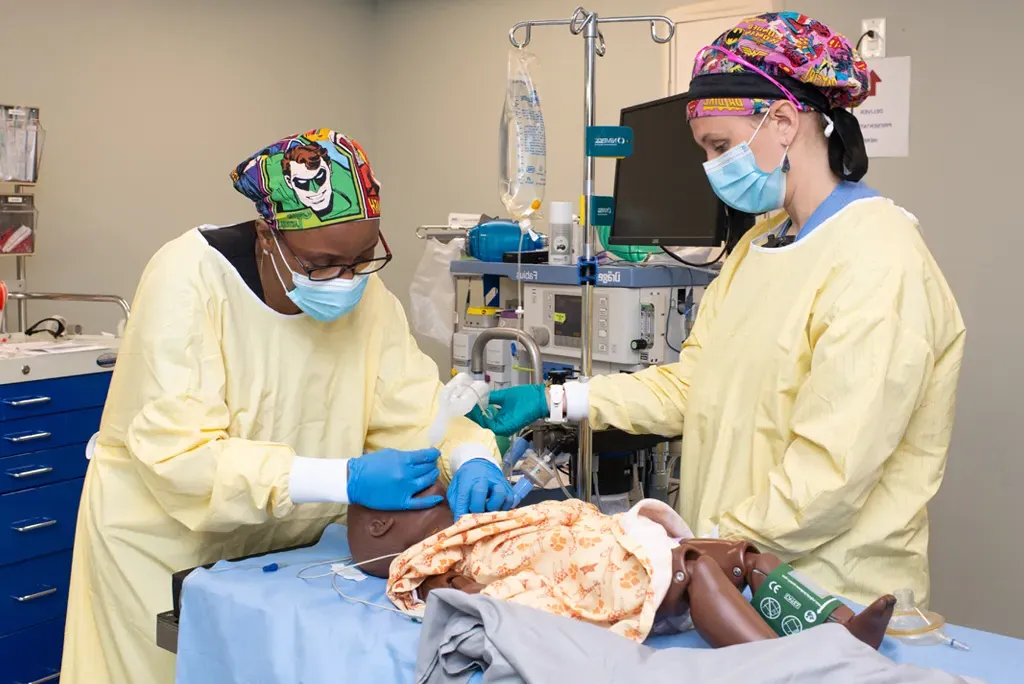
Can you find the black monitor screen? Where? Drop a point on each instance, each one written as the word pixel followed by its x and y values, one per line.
pixel 568 319
pixel 662 196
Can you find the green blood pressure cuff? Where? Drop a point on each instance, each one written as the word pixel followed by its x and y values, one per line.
pixel 789 605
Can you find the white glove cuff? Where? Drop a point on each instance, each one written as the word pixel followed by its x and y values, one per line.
pixel 319 480
pixel 577 400
pixel 467 452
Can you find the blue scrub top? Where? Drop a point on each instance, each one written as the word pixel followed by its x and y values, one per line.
pixel 844 194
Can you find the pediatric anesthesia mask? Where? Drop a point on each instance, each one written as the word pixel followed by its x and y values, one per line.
pixel 912 625
pixel 323 300
pixel 537 470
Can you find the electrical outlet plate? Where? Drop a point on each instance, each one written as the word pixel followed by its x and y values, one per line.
pixel 873 48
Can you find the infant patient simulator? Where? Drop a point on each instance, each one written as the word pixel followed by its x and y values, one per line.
pixel 635 573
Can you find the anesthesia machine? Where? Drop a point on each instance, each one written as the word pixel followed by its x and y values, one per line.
pixel 521 310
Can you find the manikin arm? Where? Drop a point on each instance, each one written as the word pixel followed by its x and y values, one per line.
pixel 450 580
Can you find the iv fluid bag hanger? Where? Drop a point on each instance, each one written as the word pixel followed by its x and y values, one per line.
pixel 586 24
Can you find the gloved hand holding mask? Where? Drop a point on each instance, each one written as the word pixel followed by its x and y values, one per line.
pixel 478 486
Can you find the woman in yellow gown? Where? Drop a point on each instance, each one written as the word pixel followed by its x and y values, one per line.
pixel 815 393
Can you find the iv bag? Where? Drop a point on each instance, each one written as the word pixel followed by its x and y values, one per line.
pixel 432 292
pixel 522 144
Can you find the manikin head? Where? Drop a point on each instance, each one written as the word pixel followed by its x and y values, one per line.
pixel 373 533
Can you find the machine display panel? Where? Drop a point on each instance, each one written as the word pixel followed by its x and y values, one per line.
pixel 568 320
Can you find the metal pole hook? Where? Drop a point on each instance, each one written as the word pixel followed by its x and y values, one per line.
pixel 582 16
pixel 526 39
pixel 654 30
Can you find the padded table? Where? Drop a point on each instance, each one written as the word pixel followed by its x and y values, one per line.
pixel 239 623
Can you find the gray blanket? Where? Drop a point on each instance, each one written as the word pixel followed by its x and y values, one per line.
pixel 513 643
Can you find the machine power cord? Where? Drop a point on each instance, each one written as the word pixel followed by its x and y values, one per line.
pixel 668 326
pixel 674 305
pixel 867 34
pixel 684 262
pixel 725 249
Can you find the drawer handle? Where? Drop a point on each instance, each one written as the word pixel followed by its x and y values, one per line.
pixel 47 522
pixel 31 437
pixel 31 401
pixel 38 594
pixel 48 678
pixel 29 473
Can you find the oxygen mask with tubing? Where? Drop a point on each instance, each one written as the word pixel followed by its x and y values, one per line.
pixel 912 625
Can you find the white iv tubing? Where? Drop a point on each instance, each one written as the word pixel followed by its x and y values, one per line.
pixel 333 574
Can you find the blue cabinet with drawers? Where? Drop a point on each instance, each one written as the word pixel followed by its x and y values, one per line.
pixel 45 426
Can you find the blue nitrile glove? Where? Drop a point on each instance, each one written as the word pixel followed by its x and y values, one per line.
pixel 478 487
pixel 389 480
pixel 519 406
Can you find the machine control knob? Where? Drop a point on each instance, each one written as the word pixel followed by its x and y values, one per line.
pixel 541 336
pixel 638 345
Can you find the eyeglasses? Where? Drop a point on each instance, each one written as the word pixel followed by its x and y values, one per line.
pixel 362 267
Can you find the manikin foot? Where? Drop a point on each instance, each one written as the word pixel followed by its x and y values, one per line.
pixel 869 625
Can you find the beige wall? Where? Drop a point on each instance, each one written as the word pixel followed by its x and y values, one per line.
pixel 149 104
pixel 442 71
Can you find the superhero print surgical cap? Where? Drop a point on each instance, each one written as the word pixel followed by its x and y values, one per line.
pixel 786 56
pixel 315 179
pixel 817 65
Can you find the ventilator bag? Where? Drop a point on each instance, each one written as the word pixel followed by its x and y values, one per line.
pixel 432 292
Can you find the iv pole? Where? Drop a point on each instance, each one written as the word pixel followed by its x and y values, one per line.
pixel 586 23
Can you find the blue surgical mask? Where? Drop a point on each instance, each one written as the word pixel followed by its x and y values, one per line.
pixel 323 300
pixel 739 182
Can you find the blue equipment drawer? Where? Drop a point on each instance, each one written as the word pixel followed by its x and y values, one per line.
pixel 34 591
pixel 32 655
pixel 34 522
pixel 42 467
pixel 46 432
pixel 44 397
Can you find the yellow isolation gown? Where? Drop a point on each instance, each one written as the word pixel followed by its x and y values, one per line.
pixel 815 397
pixel 212 397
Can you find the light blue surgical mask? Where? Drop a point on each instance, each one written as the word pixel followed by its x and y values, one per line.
pixel 323 300
pixel 739 182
